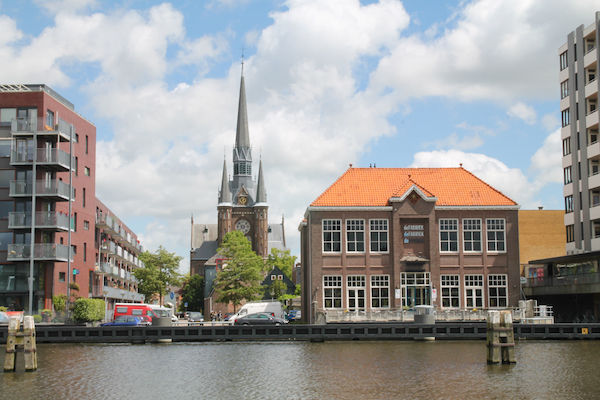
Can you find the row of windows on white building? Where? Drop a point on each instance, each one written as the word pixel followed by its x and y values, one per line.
pixel 448 228
pixel 415 290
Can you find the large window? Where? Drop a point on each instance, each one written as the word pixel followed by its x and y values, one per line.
pixel 564 89
pixel 567 146
pixel 472 235
pixel 565 117
pixel 332 291
pixel 356 292
pixel 564 61
pixel 497 290
pixel 474 291
pixel 415 288
pixel 570 229
pixel 495 235
pixel 450 291
pixel 448 235
pixel 567 175
pixel 355 235
pixel 379 235
pixel 332 235
pixel 380 291
pixel 569 204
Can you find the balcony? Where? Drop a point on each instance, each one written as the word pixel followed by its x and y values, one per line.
pixel 57 190
pixel 120 294
pixel 51 220
pixel 41 251
pixel 28 126
pixel 55 159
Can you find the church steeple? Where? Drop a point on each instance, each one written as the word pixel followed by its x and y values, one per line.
pixel 225 194
pixel 261 193
pixel 242 155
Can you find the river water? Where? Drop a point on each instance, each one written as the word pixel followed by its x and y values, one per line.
pixel 302 370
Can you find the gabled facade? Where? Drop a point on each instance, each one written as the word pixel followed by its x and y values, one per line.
pixel 386 238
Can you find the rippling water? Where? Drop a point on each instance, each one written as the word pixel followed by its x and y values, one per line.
pixel 300 370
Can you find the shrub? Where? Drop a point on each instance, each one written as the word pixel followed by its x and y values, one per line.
pixel 88 310
pixel 60 302
pixel 3 309
pixel 37 318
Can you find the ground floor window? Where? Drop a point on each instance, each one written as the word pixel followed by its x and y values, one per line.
pixel 416 288
pixel 450 291
pixel 474 291
pixel 332 291
pixel 356 292
pixel 497 290
pixel 380 291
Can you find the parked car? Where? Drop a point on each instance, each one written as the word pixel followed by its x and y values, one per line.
pixel 126 320
pixel 292 315
pixel 195 316
pixel 259 319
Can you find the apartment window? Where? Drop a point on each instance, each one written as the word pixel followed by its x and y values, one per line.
pixel 84 252
pixel 332 291
pixel 86 144
pixel 495 235
pixel 497 290
pixel 569 204
pixel 77 138
pixel 355 235
pixel 448 235
pixel 86 171
pixel 74 221
pixel 564 62
pixel 564 89
pixel 76 166
pixel 567 175
pixel 379 235
pixel 567 146
pixel 595 198
pixel 62 276
pixel 86 225
pixel 593 138
pixel 380 291
pixel 570 229
pixel 565 117
pixel 83 200
pixel 332 235
pixel 474 291
pixel 49 120
pixel 450 291
pixel 472 234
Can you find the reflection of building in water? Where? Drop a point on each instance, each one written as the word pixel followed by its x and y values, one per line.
pixel 385 238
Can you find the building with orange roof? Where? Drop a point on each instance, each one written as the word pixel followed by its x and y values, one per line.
pixel 383 239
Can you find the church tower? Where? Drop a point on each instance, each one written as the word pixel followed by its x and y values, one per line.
pixel 243 200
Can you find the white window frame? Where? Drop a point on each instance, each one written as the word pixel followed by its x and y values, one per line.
pixel 472 226
pixel 356 282
pixel 474 282
pixel 332 282
pixel 376 226
pixel 379 284
pixel 495 283
pixel 451 282
pixel 448 225
pixel 353 228
pixel 333 231
pixel 490 226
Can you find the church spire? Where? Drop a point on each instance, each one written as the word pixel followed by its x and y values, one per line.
pixel 225 195
pixel 261 193
pixel 242 155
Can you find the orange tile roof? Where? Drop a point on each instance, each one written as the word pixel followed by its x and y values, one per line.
pixel 371 187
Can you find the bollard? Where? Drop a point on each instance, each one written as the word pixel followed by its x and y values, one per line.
pixel 18 339
pixel 500 337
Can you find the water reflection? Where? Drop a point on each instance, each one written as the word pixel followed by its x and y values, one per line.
pixel 291 370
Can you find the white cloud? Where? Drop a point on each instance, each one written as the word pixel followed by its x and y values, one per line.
pixel 547 160
pixel 550 122
pixel 455 142
pixel 66 6
pixel 524 112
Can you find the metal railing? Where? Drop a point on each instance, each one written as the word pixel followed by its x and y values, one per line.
pixel 575 279
pixel 32 124
pixel 42 187
pixel 42 219
pixel 407 315
pixel 41 251
pixel 43 156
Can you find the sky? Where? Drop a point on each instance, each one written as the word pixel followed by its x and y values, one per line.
pixel 414 83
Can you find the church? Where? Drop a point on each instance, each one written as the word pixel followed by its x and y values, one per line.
pixel 242 205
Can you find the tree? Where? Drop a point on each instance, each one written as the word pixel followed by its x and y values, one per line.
pixel 242 272
pixel 282 260
pixel 159 272
pixel 193 292
pixel 277 289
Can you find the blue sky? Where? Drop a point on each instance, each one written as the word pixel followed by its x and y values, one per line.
pixel 395 83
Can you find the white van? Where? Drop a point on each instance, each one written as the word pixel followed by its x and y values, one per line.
pixel 271 307
pixel 162 311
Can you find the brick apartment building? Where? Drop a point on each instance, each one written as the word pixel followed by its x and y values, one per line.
pixel 43 140
pixel 386 238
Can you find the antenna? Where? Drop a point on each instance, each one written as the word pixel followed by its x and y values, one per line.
pixel 242 61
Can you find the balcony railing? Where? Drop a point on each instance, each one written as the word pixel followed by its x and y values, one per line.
pixel 32 124
pixel 43 219
pixel 41 251
pixel 575 279
pixel 49 157
pixel 55 188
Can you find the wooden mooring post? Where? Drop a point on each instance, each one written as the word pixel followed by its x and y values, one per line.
pixel 18 339
pixel 500 337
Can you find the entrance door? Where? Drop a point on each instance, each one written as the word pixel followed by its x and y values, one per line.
pixel 356 299
pixel 416 289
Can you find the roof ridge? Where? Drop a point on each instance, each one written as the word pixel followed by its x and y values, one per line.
pixel 487 184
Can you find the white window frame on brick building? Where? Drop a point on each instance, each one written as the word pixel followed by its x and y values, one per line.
pixel 448 235
pixel 332 235
pixel 417 283
pixel 497 290
pixel 472 235
pixel 378 230
pixel 496 235
pixel 356 292
pixel 355 235
pixel 450 288
pixel 332 292
pixel 380 291
pixel 474 291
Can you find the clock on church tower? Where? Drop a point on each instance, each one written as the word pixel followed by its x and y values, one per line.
pixel 243 226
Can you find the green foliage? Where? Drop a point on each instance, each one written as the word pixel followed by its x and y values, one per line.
pixel 88 310
pixel 3 309
pixel 74 286
pixel 282 260
pixel 193 292
pixel 242 273
pixel 277 289
pixel 59 302
pixel 159 272
pixel 298 291
pixel 37 318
